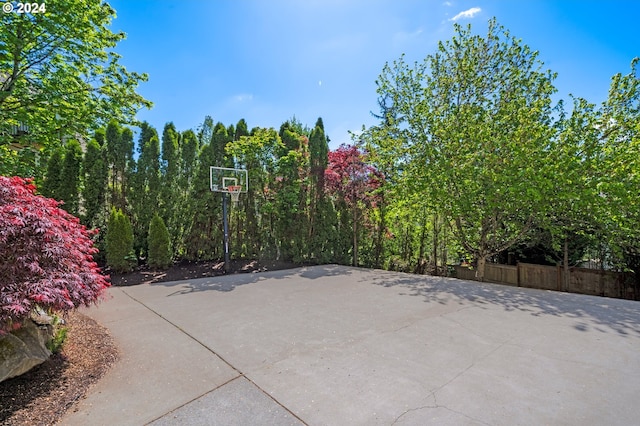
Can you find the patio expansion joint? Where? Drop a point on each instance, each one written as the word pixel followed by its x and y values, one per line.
pixel 239 373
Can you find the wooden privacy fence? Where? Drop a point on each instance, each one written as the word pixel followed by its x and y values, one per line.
pixel 581 280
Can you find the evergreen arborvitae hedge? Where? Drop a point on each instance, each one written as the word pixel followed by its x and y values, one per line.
pixel 70 177
pixel 160 255
pixel 119 242
pixel 52 178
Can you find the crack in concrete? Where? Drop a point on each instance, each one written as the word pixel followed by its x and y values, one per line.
pixel 397 419
pixel 464 415
pixel 436 406
pixel 434 392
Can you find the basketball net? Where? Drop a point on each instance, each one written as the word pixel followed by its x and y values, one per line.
pixel 234 190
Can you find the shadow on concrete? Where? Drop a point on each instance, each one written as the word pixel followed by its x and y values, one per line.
pixel 322 271
pixel 592 313
pixel 226 283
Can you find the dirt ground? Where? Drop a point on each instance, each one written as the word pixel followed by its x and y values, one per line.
pixel 189 270
pixel 42 395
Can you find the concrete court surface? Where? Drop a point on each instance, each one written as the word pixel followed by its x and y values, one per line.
pixel 334 345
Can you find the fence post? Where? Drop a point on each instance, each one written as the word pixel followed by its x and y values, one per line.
pixel 518 274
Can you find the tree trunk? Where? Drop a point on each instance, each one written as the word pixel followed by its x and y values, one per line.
pixel 443 250
pixel 355 236
pixel 565 278
pixel 423 236
pixel 435 244
pixel 482 260
pixel 381 231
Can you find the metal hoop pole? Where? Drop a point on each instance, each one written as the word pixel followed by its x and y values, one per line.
pixel 225 226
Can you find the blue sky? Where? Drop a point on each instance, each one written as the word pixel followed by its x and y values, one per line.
pixel 268 60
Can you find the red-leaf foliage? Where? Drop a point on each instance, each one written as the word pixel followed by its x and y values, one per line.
pixel 46 256
pixel 349 175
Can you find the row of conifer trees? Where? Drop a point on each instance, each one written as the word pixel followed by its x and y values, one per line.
pixel 304 203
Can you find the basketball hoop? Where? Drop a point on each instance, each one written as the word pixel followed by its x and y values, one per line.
pixel 234 190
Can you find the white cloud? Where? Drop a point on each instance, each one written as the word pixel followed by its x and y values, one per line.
pixel 447 3
pixel 470 13
pixel 243 97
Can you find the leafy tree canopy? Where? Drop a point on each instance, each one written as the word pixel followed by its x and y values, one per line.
pixel 470 126
pixel 60 76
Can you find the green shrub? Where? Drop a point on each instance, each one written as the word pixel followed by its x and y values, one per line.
pixel 59 335
pixel 70 177
pixel 119 242
pixel 46 256
pixel 160 255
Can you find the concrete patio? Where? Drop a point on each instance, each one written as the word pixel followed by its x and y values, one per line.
pixel 334 345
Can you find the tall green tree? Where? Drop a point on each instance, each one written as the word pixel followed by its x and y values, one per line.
pixel 100 135
pixel 53 175
pixel 318 156
pixel 114 159
pixel 170 165
pixel 574 207
pixel 61 76
pixel 258 153
pixel 188 166
pixel 70 177
pixel 95 184
pixel 619 127
pixel 219 140
pixel 144 193
pixel 160 254
pixel 321 217
pixel 241 129
pixel 474 119
pixel 189 149
pixel 170 172
pixel 292 195
pixel 203 238
pixel 119 241
pixel 246 213
pixel 205 131
pixel 119 155
pixel 128 146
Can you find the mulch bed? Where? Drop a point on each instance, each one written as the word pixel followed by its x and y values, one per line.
pixel 189 270
pixel 42 395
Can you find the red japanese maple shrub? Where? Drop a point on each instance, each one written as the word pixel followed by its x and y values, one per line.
pixel 350 176
pixel 46 256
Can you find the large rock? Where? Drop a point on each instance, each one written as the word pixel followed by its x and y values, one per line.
pixel 24 348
